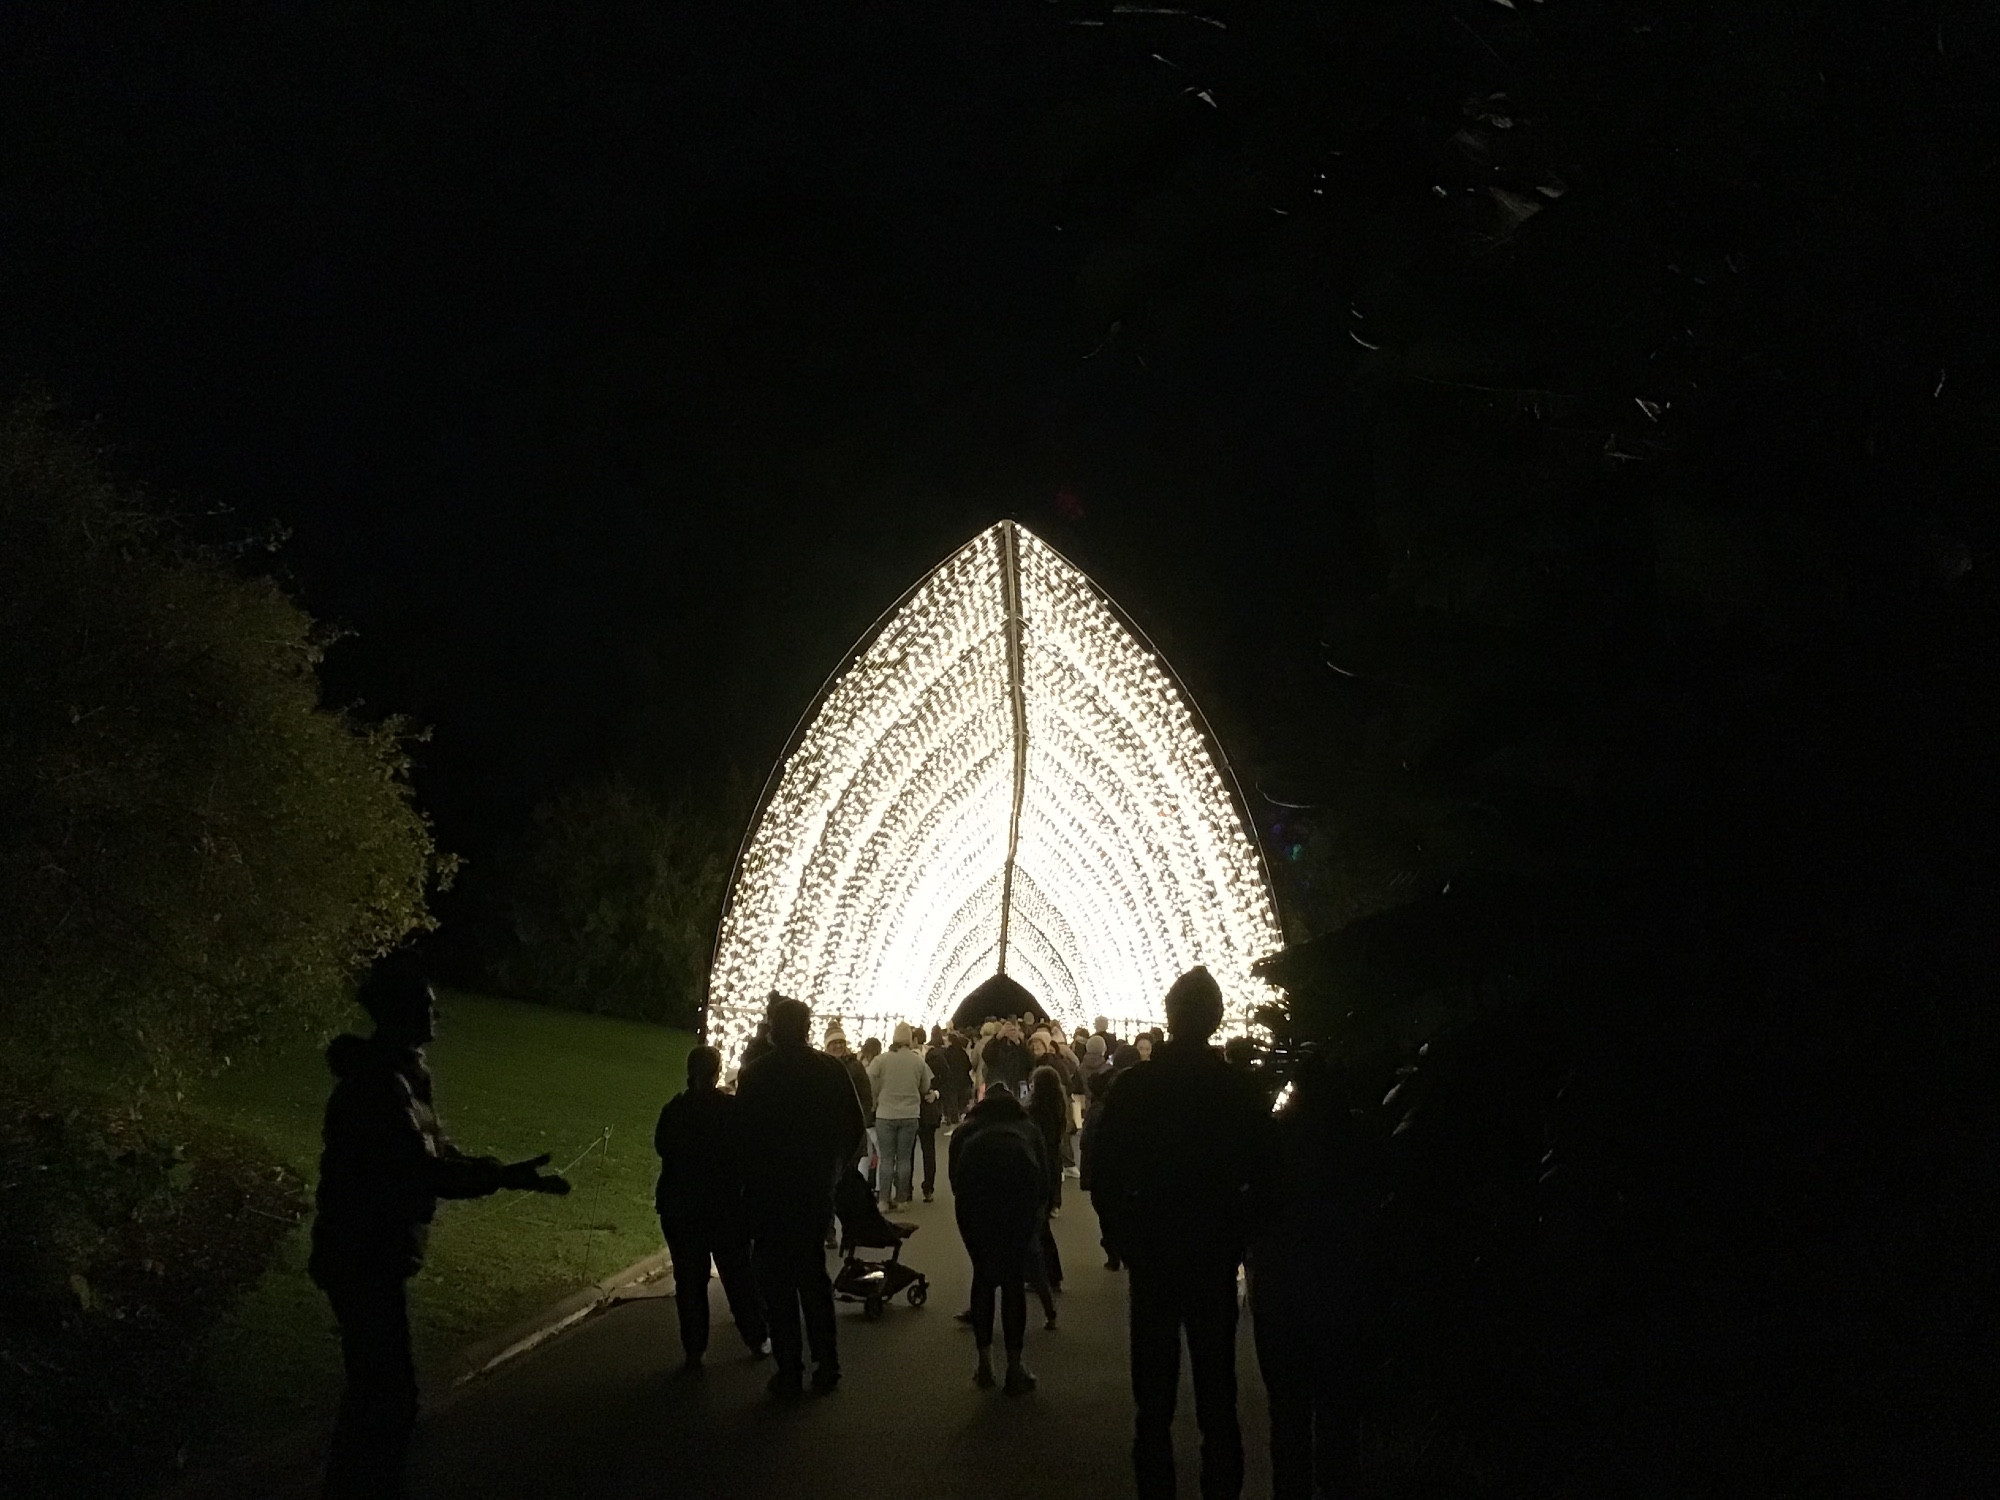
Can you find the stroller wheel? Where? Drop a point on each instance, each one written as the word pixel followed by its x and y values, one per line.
pixel 872 1308
pixel 919 1294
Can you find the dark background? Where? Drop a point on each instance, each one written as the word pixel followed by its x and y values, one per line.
pixel 1556 444
pixel 613 365
pixel 612 368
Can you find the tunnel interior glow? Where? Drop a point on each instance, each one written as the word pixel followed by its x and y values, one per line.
pixel 1004 779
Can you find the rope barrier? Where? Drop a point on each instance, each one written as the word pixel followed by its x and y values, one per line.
pixel 602 1142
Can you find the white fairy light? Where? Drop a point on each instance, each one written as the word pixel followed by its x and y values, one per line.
pixel 877 883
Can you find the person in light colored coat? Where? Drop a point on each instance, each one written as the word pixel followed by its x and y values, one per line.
pixel 901 1081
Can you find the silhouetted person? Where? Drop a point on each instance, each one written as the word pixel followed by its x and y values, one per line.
pixel 802 1123
pixel 1181 1160
pixel 756 1047
pixel 1241 1055
pixel 700 1202
pixel 1311 1278
pixel 1048 1107
pixel 1004 1059
pixel 1097 1091
pixel 928 1122
pixel 385 1164
pixel 952 1066
pixel 857 1073
pixel 999 1183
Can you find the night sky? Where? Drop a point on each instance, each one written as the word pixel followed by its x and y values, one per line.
pixel 613 371
pixel 613 366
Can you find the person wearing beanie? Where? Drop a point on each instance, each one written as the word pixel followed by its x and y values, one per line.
pixel 901 1081
pixel 1181 1166
pixel 386 1164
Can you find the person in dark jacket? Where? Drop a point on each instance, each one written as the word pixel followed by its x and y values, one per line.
pixel 930 1117
pixel 999 1182
pixel 699 1199
pixel 385 1165
pixel 801 1126
pixel 1005 1059
pixel 1312 1275
pixel 951 1065
pixel 756 1047
pixel 1098 1090
pixel 1182 1162
pixel 1048 1107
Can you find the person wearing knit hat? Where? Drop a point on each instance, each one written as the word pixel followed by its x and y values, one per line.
pixel 901 1080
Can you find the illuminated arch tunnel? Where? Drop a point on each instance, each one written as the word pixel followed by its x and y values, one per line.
pixel 1004 778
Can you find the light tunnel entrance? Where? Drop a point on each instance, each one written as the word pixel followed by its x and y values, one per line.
pixel 1004 778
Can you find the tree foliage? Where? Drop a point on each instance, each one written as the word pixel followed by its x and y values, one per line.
pixel 613 897
pixel 1633 792
pixel 195 853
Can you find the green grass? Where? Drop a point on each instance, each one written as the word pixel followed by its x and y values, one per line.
pixel 512 1080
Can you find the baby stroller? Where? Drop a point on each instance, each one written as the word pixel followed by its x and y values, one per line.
pixel 862 1227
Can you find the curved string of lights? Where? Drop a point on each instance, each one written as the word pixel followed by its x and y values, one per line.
pixel 1004 779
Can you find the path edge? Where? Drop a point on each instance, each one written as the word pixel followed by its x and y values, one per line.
pixel 486 1355
pixel 289 1464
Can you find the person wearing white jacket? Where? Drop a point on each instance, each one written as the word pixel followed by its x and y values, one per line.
pixel 901 1080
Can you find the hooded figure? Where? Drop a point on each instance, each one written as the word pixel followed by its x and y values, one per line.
pixel 386 1163
pixel 1094 1059
pixel 1000 1185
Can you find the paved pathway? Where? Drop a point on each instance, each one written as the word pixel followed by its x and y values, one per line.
pixel 600 1412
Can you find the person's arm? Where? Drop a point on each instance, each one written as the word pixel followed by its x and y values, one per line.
pixel 929 1078
pixel 850 1119
pixel 663 1143
pixel 1108 1175
pixel 1262 1158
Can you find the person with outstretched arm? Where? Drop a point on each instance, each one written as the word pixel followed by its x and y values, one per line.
pixel 386 1163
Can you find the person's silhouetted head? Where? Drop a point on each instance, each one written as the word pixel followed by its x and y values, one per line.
pixel 1101 1025
pixel 399 1000
pixel 900 1037
pixel 1144 1046
pixel 1194 1006
pixel 871 1048
pixel 790 1020
pixel 704 1067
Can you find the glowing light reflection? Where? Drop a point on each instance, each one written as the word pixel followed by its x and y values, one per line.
pixel 874 882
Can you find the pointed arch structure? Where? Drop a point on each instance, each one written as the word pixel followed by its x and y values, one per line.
pixel 1004 778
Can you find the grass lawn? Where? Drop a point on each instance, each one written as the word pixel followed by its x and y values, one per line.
pixel 513 1080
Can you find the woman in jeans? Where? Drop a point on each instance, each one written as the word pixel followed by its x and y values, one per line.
pixel 900 1079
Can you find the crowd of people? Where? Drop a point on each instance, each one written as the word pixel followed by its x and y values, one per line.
pixel 1172 1139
